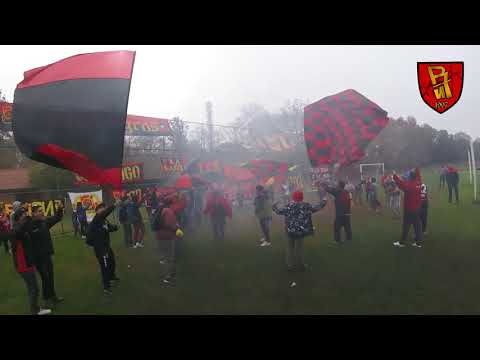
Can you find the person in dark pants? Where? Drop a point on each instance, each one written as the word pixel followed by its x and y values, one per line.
pixel 137 221
pixel 342 211
pixel 240 198
pixel 452 183
pixel 123 219
pixel 219 209
pixel 98 236
pixel 166 229
pixel 298 225
pixel 42 242
pixel 82 219
pixel 263 211
pixel 443 177
pixel 424 208
pixel 411 209
pixel 5 229
pixel 75 223
pixel 23 253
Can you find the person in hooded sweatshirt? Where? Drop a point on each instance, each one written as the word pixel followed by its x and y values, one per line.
pixel 98 237
pixel 411 209
pixel 298 225
pixel 15 206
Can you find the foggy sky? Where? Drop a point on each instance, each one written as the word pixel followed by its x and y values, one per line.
pixel 173 81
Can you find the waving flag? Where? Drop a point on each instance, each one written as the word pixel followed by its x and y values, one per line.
pixel 266 168
pixel 338 128
pixel 71 114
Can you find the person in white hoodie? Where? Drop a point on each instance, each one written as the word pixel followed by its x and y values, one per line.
pixel 15 206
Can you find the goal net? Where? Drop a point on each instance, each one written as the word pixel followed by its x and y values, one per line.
pixel 372 170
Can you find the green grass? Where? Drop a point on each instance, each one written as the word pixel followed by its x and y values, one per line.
pixel 369 276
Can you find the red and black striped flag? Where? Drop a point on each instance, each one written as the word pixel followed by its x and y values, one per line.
pixel 338 128
pixel 266 168
pixel 71 114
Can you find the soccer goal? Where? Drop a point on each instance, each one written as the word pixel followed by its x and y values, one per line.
pixel 372 170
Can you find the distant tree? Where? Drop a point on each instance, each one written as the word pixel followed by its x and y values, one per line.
pixel 43 176
pixel 180 134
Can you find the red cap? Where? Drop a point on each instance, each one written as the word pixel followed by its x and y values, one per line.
pixel 297 196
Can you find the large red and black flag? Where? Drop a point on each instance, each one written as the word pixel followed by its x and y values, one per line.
pixel 338 128
pixel 266 168
pixel 71 114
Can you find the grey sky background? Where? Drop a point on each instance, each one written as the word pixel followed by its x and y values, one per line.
pixel 177 80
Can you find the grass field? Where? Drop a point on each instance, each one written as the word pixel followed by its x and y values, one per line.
pixel 368 276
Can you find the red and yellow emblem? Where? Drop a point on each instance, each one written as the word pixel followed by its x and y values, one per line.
pixel 440 84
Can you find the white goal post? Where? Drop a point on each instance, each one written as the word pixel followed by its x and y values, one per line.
pixel 379 170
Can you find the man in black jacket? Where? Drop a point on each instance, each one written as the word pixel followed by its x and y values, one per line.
pixel 452 183
pixel 342 210
pixel 39 231
pixel 98 236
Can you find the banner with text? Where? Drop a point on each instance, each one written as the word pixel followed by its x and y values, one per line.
pixel 147 126
pixel 48 206
pixel 131 173
pixel 89 201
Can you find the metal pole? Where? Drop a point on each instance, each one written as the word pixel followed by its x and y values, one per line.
pixel 474 169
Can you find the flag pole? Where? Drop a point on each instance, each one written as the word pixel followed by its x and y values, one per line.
pixel 474 169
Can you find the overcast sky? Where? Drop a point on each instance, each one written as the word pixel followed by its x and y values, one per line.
pixel 173 81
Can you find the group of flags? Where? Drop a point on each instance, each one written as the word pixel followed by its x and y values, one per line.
pixel 72 114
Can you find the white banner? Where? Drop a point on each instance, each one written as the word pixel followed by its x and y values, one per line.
pixel 89 201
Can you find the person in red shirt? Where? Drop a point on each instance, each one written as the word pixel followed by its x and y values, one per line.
pixel 165 226
pixel 412 204
pixel 24 254
pixel 218 209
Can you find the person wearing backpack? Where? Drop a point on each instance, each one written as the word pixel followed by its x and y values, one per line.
pixel 342 211
pixel 123 219
pixel 218 209
pixel 263 212
pixel 298 225
pixel 167 230
pixel 98 237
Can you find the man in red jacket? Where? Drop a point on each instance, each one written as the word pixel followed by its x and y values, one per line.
pixel 219 209
pixel 411 210
pixel 165 226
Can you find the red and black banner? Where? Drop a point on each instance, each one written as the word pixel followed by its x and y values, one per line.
pixel 5 112
pixel 131 173
pixel 266 168
pixel 71 114
pixel 338 128
pixel 147 126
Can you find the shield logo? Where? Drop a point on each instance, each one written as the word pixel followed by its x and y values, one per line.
pixel 440 84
